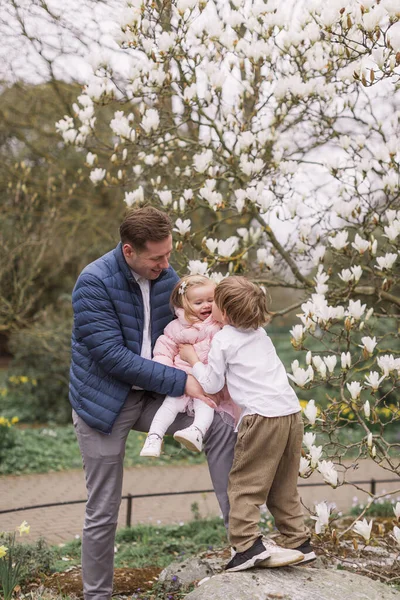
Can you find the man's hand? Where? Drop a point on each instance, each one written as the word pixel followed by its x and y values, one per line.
pixel 194 390
pixel 188 354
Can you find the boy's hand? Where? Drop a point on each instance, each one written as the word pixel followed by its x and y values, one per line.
pixel 194 390
pixel 188 354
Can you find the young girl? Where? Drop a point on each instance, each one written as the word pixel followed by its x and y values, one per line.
pixel 191 299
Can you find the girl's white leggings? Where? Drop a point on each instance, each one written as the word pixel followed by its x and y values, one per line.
pixel 168 411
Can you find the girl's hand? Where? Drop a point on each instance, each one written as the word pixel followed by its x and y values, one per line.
pixel 188 354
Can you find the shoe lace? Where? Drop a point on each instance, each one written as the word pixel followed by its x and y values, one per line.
pixel 152 439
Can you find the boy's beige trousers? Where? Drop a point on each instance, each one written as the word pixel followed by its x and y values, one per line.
pixel 265 469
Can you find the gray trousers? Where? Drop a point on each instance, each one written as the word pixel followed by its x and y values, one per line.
pixel 103 457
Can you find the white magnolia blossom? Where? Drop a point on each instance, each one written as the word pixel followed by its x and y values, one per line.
pixel 346 275
pixel 363 528
pixel 396 510
pixel 367 409
pixel 228 247
pixel 387 261
pixel 355 309
pixel 369 344
pixel 311 411
pixel 182 227
pixel 330 362
pixel 355 389
pixel 91 158
pixel 321 518
pixel 297 333
pixel 165 197
pixel 197 267
pixel 360 244
pixel 211 244
pixel 308 439
pixel 328 472
pixel 264 257
pixel 64 124
pixel 120 125
pixel 97 175
pixel 387 363
pixel 202 161
pixel 150 120
pixel 396 534
pixel 345 360
pixel 315 455
pixel 373 380
pixel 369 440
pixel 339 241
pixel 134 197
pixel 356 272
pixel 304 466
pixel 302 376
pixel 392 231
pixel 217 277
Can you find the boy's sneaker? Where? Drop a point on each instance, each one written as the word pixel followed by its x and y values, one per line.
pixel 280 557
pixel 249 558
pixel 308 552
pixel 191 438
pixel 152 446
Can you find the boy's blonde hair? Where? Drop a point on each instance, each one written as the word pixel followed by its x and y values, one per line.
pixel 179 297
pixel 244 302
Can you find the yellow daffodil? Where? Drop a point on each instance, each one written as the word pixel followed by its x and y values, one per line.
pixel 3 421
pixel 14 420
pixel 3 551
pixel 24 379
pixel 24 528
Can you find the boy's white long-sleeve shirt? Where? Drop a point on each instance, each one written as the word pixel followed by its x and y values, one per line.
pixel 255 376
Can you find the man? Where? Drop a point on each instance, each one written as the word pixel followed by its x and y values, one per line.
pixel 121 306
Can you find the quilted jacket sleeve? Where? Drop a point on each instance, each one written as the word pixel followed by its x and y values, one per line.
pixel 166 348
pixel 97 326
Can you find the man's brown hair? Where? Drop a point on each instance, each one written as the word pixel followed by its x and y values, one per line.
pixel 244 302
pixel 147 224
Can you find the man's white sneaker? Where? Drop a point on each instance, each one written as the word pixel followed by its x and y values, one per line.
pixel 152 446
pixel 191 438
pixel 280 557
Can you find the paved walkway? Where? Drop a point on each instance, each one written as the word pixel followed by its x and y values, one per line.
pixel 63 523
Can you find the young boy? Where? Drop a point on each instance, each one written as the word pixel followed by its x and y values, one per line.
pixel 270 429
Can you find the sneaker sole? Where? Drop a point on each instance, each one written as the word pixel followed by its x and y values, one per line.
pixel 187 444
pixel 310 557
pixel 251 563
pixel 274 564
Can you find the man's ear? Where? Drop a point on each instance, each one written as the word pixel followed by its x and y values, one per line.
pixel 128 251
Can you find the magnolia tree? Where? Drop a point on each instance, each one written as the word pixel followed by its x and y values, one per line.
pixel 271 139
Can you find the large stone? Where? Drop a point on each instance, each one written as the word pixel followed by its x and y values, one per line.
pixel 178 575
pixel 292 583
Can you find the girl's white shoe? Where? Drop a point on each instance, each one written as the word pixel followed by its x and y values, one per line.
pixel 191 438
pixel 152 446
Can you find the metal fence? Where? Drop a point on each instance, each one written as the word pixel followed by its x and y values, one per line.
pixel 130 497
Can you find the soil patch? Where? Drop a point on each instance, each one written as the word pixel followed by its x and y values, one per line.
pixel 126 581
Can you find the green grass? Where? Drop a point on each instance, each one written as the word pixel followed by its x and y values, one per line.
pixel 45 449
pixel 148 545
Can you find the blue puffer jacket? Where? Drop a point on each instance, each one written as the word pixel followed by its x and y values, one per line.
pixel 107 338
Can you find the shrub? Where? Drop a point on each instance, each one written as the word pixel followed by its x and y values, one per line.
pixel 37 385
pixel 7 435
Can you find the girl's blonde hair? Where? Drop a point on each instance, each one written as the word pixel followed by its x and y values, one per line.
pixel 244 302
pixel 179 297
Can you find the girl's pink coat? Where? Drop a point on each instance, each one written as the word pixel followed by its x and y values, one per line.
pixel 199 334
